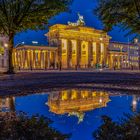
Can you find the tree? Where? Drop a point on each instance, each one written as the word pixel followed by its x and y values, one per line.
pixel 125 13
pixel 20 15
pixel 127 129
pixel 1 50
pixel 21 127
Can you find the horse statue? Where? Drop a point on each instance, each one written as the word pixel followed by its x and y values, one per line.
pixel 80 21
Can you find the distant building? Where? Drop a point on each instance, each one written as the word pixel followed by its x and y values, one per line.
pixel 3 53
pixel 131 55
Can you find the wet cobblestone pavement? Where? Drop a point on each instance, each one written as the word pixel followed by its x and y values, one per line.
pixel 42 81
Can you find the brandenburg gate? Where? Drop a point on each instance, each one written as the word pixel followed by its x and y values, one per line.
pixel 78 45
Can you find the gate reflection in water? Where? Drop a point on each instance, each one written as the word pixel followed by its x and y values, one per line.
pixel 74 111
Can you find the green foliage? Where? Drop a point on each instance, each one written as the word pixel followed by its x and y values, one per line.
pixel 1 50
pixel 128 129
pixel 21 127
pixel 125 13
pixel 19 15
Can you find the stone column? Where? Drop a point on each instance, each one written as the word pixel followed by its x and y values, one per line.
pixel 101 53
pixel 20 59
pixel 60 52
pixel 48 59
pixel 34 61
pixel 26 59
pixel 23 53
pixel 42 59
pixel 94 52
pixel 55 59
pixel 98 53
pixel 90 54
pixel 69 53
pixel 78 53
pixel 45 59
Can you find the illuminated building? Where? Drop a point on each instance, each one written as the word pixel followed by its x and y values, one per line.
pixel 34 57
pixel 76 102
pixel 124 55
pixel 3 53
pixel 77 46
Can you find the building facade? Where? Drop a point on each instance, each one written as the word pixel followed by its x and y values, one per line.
pixel 77 46
pixel 127 55
pixel 3 53
pixel 34 57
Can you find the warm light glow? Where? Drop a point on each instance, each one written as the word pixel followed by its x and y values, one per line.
pixel 134 102
pixel 5 45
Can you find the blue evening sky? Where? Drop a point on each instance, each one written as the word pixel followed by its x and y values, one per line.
pixel 85 8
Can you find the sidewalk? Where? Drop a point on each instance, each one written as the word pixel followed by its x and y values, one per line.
pixel 80 70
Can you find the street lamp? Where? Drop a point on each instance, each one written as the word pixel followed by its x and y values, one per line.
pixel 5 45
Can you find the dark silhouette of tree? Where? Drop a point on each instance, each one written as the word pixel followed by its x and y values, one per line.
pixel 21 127
pixel 125 13
pixel 20 15
pixel 127 129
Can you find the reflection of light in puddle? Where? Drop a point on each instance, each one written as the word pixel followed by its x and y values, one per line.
pixel 76 102
pixel 74 111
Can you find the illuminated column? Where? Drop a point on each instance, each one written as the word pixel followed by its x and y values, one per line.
pixel 17 58
pixel 18 55
pixel 55 59
pixel 118 62
pixel 29 58
pixel 107 60
pixel 74 53
pixel 84 53
pixel 32 58
pixel 94 47
pixel 105 57
pixel 102 52
pixel 45 61
pixel 64 56
pixel 69 53
pixel 98 53
pixel 34 64
pixel 42 59
pixel 90 54
pixel 78 53
pixel 111 61
pixel 48 59
pixel 39 58
pixel 26 59
pixel 23 56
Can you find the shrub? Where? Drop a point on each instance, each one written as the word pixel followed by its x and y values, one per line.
pixel 128 129
pixel 22 127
